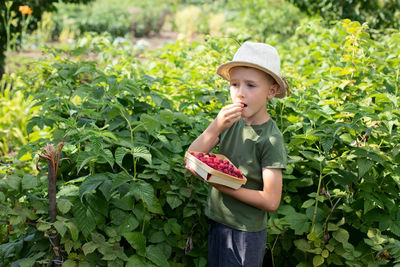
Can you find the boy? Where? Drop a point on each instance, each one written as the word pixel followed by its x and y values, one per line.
pixel 251 140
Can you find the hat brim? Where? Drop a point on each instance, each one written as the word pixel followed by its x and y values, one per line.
pixel 224 71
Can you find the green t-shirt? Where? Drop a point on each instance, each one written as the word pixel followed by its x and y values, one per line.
pixel 250 148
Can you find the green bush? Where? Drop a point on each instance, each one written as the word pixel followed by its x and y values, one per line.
pixel 124 196
pixel 379 14
pixel 119 18
pixel 12 19
pixel 342 128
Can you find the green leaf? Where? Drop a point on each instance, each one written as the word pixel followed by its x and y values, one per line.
pixel 68 190
pixel 318 260
pixel 124 203
pixel 121 178
pixel 363 166
pixel 302 244
pixel 137 240
pixel 108 156
pixel 156 255
pixel 29 182
pixel 135 261
pixel 28 262
pixel 341 235
pixel 141 152
pixel 167 117
pixel 85 68
pixel 120 153
pixel 69 263
pixel 129 224
pixel 325 253
pixel 84 217
pixel 43 226
pixel 106 189
pixel 68 245
pixel 83 158
pixel 60 227
pixel 64 205
pixel 156 207
pixel 144 191
pixel 395 227
pixel 91 182
pixel 298 222
pixel 73 229
pixel 174 201
pixel 89 247
pixel 174 226
pixel 189 210
pixel 98 203
pixel 186 192
pixel 327 144
pixel 157 237
pixel 14 182
pixel 308 203
pixel 150 123
pixel 97 144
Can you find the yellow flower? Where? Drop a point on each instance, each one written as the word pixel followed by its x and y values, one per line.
pixel 26 10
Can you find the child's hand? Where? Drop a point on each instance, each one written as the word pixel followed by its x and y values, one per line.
pixel 192 171
pixel 228 115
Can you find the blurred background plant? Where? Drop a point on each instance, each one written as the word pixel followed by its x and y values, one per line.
pixel 15 112
pixel 135 18
pixel 379 14
pixel 21 16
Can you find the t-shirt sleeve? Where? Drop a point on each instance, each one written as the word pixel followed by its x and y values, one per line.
pixel 273 153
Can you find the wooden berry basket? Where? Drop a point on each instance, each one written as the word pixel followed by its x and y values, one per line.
pixel 211 175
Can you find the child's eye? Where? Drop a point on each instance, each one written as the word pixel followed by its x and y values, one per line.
pixel 251 85
pixel 234 84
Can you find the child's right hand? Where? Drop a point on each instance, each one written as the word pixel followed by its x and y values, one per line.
pixel 227 116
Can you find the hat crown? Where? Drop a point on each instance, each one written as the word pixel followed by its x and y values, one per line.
pixel 259 54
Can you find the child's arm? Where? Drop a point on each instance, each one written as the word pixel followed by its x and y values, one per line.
pixel 268 199
pixel 210 137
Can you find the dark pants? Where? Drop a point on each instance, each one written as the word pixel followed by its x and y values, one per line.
pixel 229 247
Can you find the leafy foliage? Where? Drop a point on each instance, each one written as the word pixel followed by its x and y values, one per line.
pixel 378 14
pixel 15 112
pixel 342 123
pixel 135 18
pixel 38 8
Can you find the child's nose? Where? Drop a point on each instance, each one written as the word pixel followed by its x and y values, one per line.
pixel 241 90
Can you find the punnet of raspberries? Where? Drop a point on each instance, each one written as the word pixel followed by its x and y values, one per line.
pixel 218 164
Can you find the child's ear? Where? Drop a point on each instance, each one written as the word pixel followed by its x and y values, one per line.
pixel 273 90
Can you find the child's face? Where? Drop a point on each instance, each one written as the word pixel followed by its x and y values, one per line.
pixel 252 88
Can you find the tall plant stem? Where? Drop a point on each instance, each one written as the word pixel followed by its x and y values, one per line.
pixel 397 83
pixel 316 199
pixel 52 156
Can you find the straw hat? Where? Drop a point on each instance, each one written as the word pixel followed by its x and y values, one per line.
pixel 260 56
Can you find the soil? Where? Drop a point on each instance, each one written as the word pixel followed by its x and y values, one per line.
pixel 157 41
